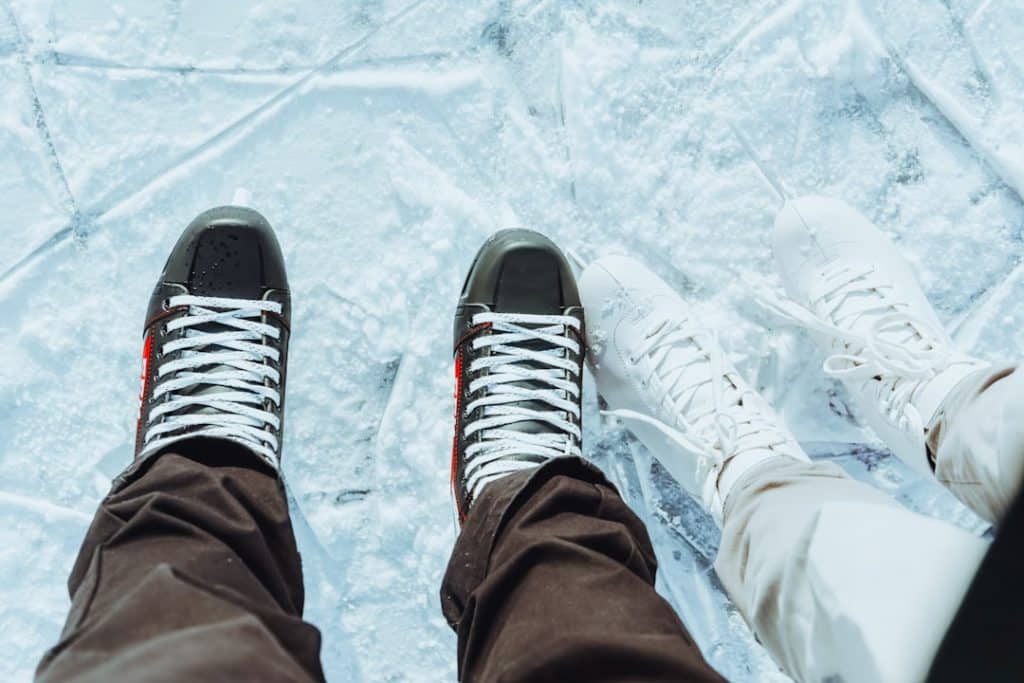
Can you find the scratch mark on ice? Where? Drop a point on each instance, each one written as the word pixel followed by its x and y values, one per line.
pixel 239 129
pixel 39 119
pixel 769 175
pixel 43 508
pixel 967 331
pixel 81 223
pixel 969 127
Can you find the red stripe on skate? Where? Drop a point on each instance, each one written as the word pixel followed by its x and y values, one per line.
pixel 147 351
pixel 458 429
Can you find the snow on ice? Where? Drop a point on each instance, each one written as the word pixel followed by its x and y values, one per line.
pixel 385 139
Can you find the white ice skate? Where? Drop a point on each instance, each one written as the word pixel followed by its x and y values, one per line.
pixel 664 373
pixel 858 297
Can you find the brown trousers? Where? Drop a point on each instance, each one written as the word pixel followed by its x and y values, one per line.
pixel 190 572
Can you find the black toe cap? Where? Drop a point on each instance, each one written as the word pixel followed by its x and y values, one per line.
pixel 229 251
pixel 517 271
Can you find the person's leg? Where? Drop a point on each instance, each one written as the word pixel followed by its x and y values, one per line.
pixel 552 579
pixel 835 578
pixel 189 572
pixel 977 441
pixel 935 407
pixel 838 581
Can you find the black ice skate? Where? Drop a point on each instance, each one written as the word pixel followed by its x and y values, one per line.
pixel 518 363
pixel 216 339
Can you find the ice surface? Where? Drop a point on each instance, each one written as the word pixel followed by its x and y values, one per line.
pixel 385 139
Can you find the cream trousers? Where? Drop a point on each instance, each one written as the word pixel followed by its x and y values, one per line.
pixel 842 583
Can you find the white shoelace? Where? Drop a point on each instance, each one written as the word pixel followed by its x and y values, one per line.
pixel 220 381
pixel 897 347
pixel 554 382
pixel 717 431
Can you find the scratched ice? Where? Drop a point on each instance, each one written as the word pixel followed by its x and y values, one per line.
pixel 385 139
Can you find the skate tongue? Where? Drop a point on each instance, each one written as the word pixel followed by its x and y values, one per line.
pixel 206 390
pixel 860 310
pixel 201 388
pixel 218 378
pixel 866 310
pixel 698 380
pixel 528 426
pixel 526 387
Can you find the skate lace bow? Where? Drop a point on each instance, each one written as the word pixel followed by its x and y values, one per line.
pixel 714 431
pixel 218 382
pixel 527 376
pixel 896 348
